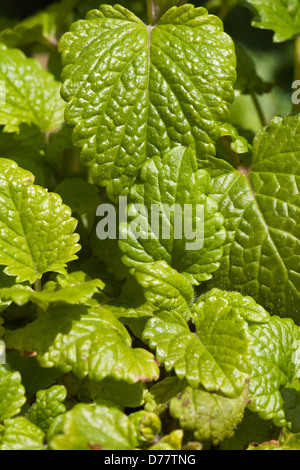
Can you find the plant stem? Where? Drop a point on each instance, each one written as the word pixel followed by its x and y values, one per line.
pixel 156 8
pixel 151 11
pixel 296 107
pixel 262 117
pixel 38 285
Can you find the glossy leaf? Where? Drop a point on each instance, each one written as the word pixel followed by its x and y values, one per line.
pixel 31 93
pixel 74 294
pixel 217 356
pixel 282 16
pixel 134 92
pixel 86 341
pixel 36 228
pixel 21 434
pixel 48 405
pixel 88 427
pixel 165 288
pixel 12 393
pixel 169 185
pixel 261 206
pixel 209 416
pixel 275 365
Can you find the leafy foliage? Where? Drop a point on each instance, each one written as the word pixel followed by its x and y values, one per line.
pixel 36 228
pixel 36 97
pixel 282 16
pixel 174 325
pixel 174 181
pixel 135 108
pixel 261 208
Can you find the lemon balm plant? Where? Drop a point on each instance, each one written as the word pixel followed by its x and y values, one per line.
pixel 134 341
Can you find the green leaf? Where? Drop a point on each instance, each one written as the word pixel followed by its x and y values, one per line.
pixel 147 425
pixel 34 377
pixel 27 148
pixel 88 427
pixel 31 93
pixel 108 252
pixel 5 281
pixel 217 356
pixel 48 405
pixel 291 408
pixel 165 288
pixel 86 341
pixel 40 27
pixel 76 294
pixel 11 393
pixel 162 392
pixel 134 92
pixel 248 81
pixel 173 181
pixel 120 393
pixel 282 16
pixel 244 307
pixel 170 442
pixel 261 206
pixel 209 416
pixel 21 434
pixel 136 6
pixel 159 7
pixel 239 145
pixel 36 228
pixel 251 429
pixel 275 365
pixel 286 441
pixel 57 144
pixel 82 197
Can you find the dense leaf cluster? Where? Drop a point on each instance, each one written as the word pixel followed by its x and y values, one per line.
pixel 139 342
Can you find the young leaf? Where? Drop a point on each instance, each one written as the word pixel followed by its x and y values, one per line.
pixel 31 93
pixel 147 426
pixel 165 288
pixel 48 405
pixel 281 16
pixel 172 441
pixel 86 341
pixel 88 427
pixel 217 299
pixel 75 294
pixel 36 228
pixel 134 92
pixel 211 417
pixel 12 393
pixel 168 185
pixel 217 356
pixel 261 206
pixel 275 365
pixel 21 434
